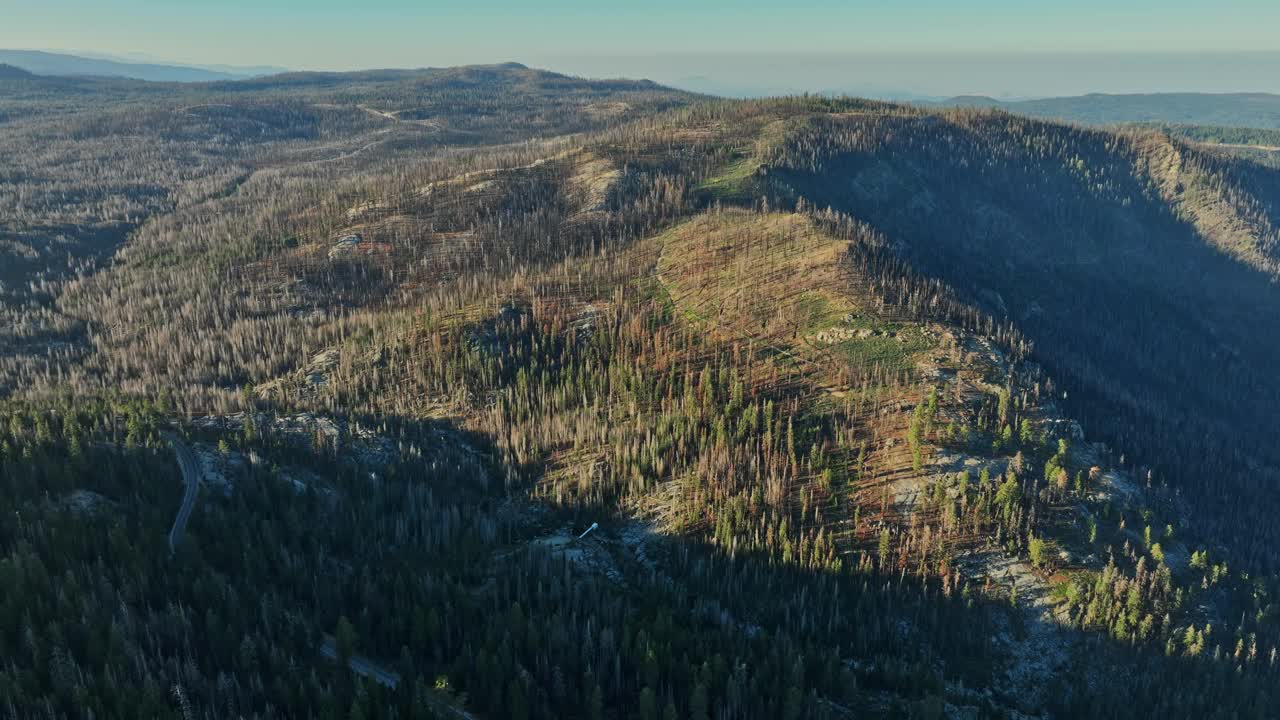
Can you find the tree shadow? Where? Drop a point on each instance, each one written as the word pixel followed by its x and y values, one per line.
pixel 514 589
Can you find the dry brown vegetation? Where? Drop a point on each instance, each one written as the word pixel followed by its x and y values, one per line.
pixel 807 336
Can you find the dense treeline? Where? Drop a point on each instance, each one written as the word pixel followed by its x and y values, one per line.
pixel 1218 135
pixel 416 569
pixel 105 623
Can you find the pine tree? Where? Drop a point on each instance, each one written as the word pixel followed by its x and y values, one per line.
pixel 648 705
pixel 1036 549
pixel 699 706
pixel 517 706
pixel 345 640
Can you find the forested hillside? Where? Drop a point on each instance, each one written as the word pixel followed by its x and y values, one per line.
pixel 506 394
pixel 1136 264
pixel 93 162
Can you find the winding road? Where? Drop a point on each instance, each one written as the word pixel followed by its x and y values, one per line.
pixel 362 665
pixel 389 678
pixel 191 477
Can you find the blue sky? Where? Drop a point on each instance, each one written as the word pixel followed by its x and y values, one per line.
pixel 587 37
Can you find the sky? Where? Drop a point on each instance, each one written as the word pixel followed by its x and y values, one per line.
pixel 924 47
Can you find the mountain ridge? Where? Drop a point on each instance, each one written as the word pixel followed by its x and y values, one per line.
pixel 1255 110
pixel 584 397
pixel 58 64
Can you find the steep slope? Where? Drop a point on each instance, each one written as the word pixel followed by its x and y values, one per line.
pixel 1142 270
pixel 1230 204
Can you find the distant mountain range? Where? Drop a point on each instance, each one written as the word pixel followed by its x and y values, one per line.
pixel 1250 110
pixel 708 85
pixel 1255 110
pixel 50 63
pixel 9 72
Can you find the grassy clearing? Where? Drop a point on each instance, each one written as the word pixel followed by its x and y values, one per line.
pixel 766 275
pixel 752 141
pixel 777 278
pixel 895 353
pixel 817 310
pixel 731 182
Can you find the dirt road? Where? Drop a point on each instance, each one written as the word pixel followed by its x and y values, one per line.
pixel 191 477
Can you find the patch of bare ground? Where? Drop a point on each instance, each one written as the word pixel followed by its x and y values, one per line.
pixel 606 110
pixel 85 502
pixel 591 180
pixel 1037 645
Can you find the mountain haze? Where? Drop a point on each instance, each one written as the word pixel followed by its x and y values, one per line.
pixel 48 63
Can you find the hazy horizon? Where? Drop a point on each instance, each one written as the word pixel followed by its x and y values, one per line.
pixel 896 75
pixel 925 48
pixel 1006 75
